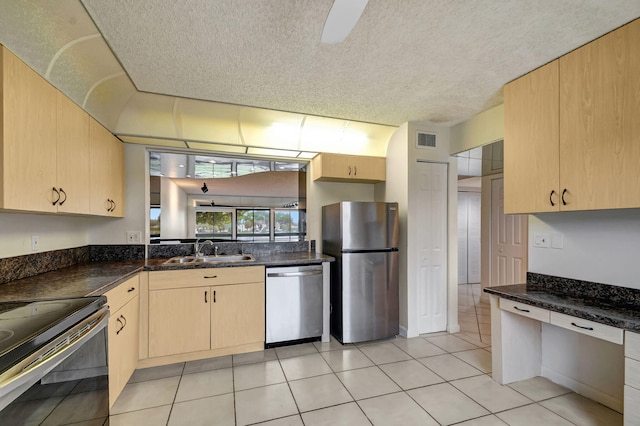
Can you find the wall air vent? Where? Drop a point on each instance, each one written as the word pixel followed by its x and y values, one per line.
pixel 426 140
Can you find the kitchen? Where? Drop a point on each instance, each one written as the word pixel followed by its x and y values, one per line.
pixel 609 235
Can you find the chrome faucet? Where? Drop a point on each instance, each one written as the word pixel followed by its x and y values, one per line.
pixel 197 247
pixel 215 251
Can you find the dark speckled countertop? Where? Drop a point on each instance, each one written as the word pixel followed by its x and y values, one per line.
pixel 605 304
pixel 94 278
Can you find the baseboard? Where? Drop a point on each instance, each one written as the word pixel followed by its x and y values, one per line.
pixel 405 332
pixel 453 328
pixel 584 390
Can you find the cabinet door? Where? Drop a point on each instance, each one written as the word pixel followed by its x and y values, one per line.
pixel 106 165
pixel 369 169
pixel 72 156
pixel 237 315
pixel 123 346
pixel 179 321
pixel 599 126
pixel 28 137
pixel 335 166
pixel 531 138
pixel 116 177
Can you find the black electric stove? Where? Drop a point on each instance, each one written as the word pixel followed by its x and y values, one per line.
pixel 27 325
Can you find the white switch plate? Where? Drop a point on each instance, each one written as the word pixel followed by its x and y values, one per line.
pixel 540 239
pixel 34 243
pixel 557 240
pixel 134 237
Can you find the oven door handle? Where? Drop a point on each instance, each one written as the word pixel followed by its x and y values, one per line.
pixel 27 372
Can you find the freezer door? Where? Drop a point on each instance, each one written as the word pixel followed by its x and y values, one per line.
pixel 369 226
pixel 370 305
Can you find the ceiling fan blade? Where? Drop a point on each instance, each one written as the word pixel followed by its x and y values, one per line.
pixel 343 16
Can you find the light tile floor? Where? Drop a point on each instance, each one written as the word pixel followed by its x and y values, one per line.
pixel 434 379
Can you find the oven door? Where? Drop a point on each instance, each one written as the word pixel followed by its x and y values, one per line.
pixel 65 381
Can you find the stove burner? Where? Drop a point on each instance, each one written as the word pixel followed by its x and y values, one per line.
pixel 34 309
pixel 5 334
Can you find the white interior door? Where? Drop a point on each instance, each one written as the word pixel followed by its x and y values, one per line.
pixel 469 237
pixel 509 234
pixel 473 238
pixel 431 232
pixel 463 222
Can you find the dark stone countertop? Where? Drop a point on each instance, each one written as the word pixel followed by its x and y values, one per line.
pixel 591 305
pixel 95 278
pixel 268 260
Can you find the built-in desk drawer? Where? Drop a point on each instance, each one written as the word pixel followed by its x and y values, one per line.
pixel 590 328
pixel 524 310
pixel 632 345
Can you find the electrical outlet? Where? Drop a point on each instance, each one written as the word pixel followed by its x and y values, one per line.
pixel 134 237
pixel 34 243
pixel 540 240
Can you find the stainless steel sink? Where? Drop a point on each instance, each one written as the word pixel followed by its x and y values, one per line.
pixel 221 258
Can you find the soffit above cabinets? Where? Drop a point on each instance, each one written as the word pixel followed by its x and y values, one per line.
pixel 230 75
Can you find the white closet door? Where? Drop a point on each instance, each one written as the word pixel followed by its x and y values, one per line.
pixel 432 254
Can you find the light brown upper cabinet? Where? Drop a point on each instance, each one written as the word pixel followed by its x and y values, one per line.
pixel 47 165
pixel 348 168
pixel 571 130
pixel 28 137
pixel 107 171
pixel 72 157
pixel 531 162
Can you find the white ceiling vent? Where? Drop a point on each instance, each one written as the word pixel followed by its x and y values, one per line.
pixel 426 140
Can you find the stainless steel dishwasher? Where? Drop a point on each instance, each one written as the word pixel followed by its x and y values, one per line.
pixel 293 304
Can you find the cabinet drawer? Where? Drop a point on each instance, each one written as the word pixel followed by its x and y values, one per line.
pixel 161 280
pixel 118 296
pixel 631 406
pixel 524 310
pixel 590 328
pixel 632 373
pixel 632 345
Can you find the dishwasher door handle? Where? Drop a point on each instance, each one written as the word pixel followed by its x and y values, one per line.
pixel 293 274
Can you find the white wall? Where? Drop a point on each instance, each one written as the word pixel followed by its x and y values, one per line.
pixel 599 246
pixel 439 154
pixel 174 212
pixel 484 128
pixel 402 155
pixel 396 189
pixel 323 193
pixel 54 232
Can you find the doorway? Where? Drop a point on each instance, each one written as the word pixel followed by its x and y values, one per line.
pixel 502 238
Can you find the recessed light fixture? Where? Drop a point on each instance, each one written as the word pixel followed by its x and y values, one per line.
pixel 181 165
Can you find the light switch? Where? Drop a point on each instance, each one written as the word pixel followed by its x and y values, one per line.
pixel 557 240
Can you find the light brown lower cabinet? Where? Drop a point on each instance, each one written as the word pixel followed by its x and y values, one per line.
pixel 123 335
pixel 202 313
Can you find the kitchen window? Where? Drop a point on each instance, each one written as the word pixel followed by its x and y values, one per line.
pixel 255 224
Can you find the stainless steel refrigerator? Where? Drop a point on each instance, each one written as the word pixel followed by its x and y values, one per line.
pixel 363 237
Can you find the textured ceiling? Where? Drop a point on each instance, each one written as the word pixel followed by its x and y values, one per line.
pixel 226 75
pixel 406 60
